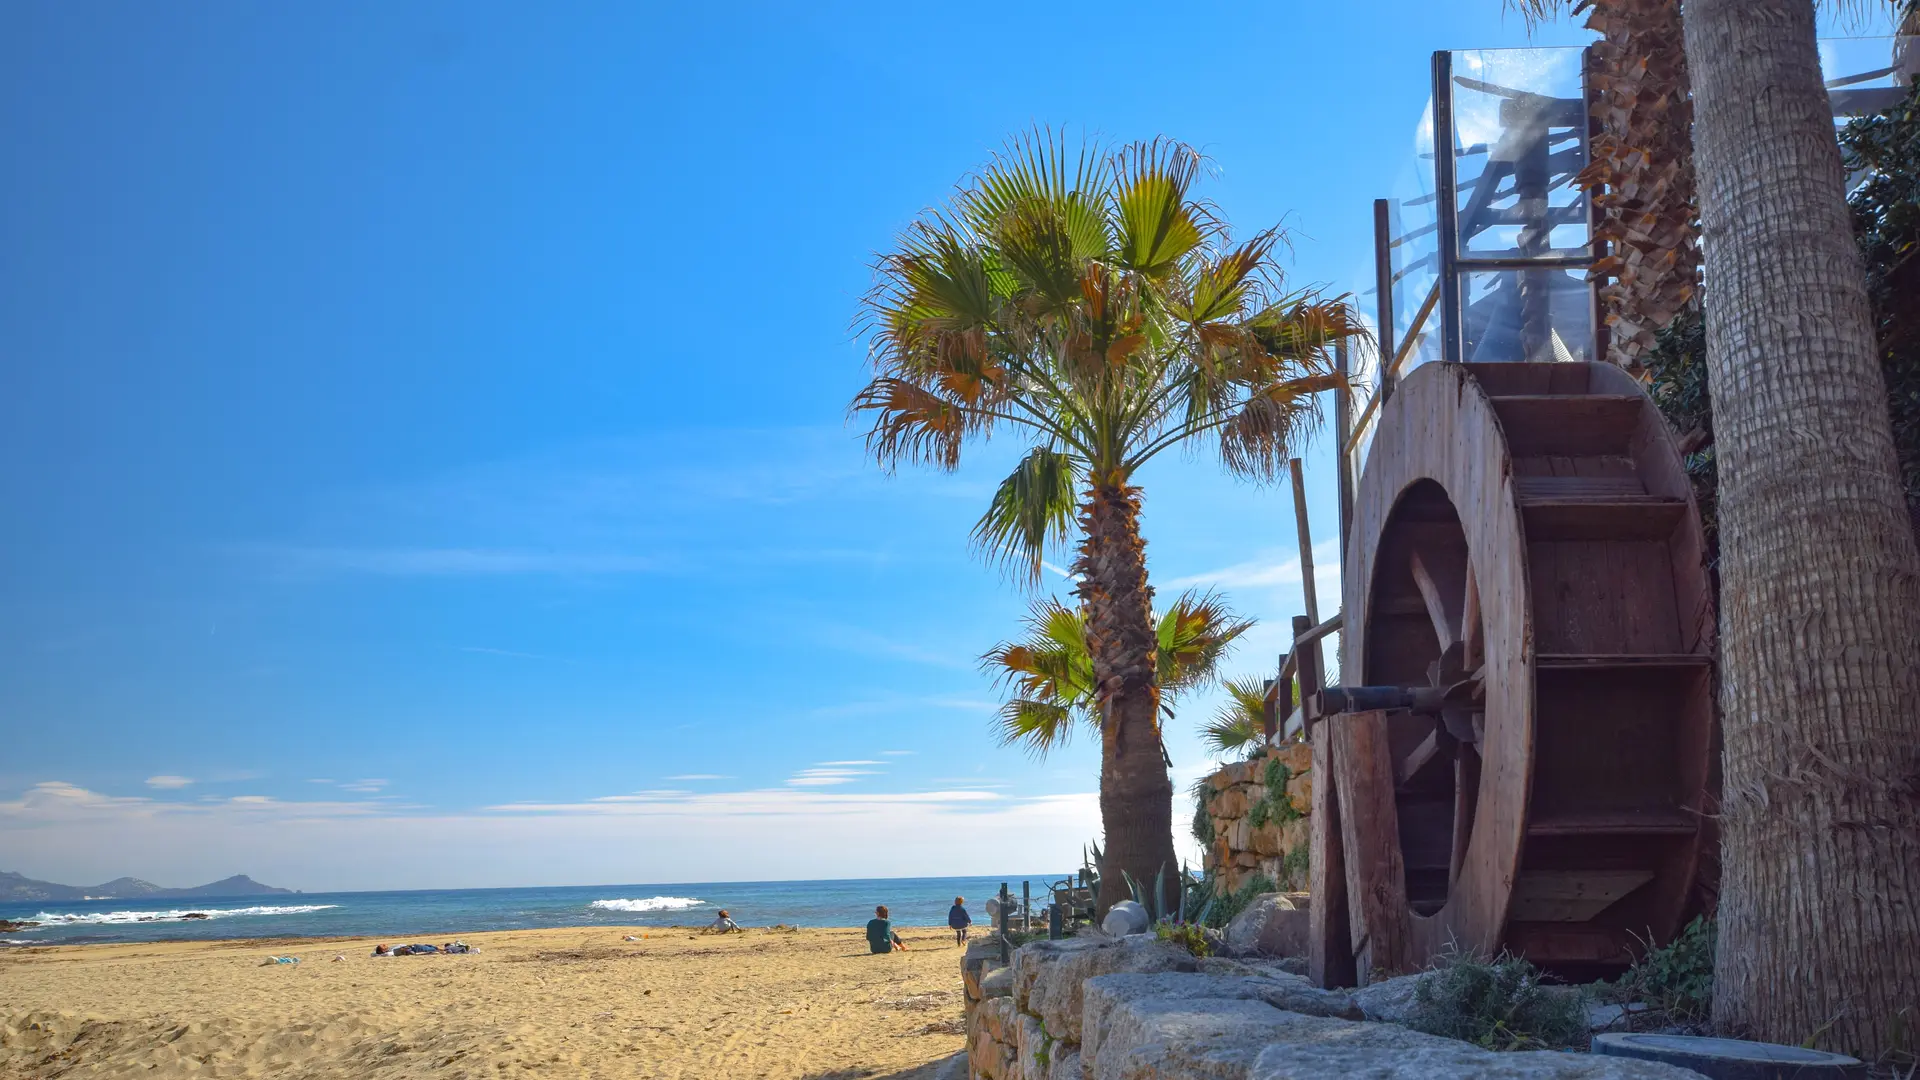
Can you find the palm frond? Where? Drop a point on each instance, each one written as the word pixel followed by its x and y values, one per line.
pixel 1157 225
pixel 1194 635
pixel 1241 719
pixel 1032 509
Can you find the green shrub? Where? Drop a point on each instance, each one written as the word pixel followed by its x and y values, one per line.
pixel 1275 807
pixel 1298 862
pixel 1189 936
pixel 1677 979
pixel 1227 905
pixel 1499 1004
pixel 1202 821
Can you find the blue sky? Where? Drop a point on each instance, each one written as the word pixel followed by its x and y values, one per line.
pixel 423 425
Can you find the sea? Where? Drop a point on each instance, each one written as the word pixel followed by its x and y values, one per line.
pixel 436 915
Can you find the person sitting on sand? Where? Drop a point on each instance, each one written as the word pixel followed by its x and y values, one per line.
pixel 723 924
pixel 880 935
pixel 958 918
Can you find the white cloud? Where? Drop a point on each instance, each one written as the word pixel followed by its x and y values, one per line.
pixel 1273 569
pixel 166 782
pixel 462 562
pixel 365 787
pixel 61 832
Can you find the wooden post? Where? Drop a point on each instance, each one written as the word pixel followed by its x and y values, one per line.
pixel 1383 297
pixel 1378 916
pixel 1306 543
pixel 1329 939
pixel 1342 431
pixel 1006 902
pixel 1055 929
pixel 1026 907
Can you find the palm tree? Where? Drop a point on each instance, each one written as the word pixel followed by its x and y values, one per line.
pixel 1820 580
pixel 1051 672
pixel 1241 720
pixel 1641 168
pixel 1092 304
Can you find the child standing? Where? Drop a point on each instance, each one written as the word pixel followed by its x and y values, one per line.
pixel 958 918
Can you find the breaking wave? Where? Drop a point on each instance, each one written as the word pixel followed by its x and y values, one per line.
pixel 46 918
pixel 652 903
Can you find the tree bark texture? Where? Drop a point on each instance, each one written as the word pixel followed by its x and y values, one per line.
pixel 1820 584
pixel 1641 173
pixel 1136 794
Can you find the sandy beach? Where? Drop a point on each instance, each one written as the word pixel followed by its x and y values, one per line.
pixel 810 1003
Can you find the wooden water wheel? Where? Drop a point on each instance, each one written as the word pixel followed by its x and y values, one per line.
pixel 1521 745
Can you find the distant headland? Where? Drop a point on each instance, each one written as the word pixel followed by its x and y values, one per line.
pixel 16 888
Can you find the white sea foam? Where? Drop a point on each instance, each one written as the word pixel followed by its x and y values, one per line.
pixel 47 918
pixel 651 903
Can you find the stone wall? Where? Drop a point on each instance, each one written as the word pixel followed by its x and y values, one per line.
pixel 1136 1008
pixel 1261 831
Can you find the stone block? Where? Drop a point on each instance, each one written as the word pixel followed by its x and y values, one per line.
pixel 1031 959
pixel 1267 840
pixel 1065 1063
pixel 1055 992
pixel 1445 1059
pixel 1300 792
pixel 997 983
pixel 1297 757
pixel 1240 837
pixel 1390 1000
pixel 1229 804
pixel 1197 1027
pixel 1270 926
pixel 992 1046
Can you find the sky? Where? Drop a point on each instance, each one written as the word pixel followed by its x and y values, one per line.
pixel 423 436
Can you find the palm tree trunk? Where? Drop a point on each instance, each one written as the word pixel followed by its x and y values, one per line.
pixel 1136 794
pixel 1642 172
pixel 1820 582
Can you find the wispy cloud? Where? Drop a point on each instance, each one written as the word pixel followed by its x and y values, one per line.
pixel 823 777
pixel 1272 569
pixel 461 562
pixel 501 652
pixel 366 787
pixel 167 782
pixel 855 639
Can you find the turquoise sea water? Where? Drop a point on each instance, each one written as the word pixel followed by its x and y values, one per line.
pixel 437 915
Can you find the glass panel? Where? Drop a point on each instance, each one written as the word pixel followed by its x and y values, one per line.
pixel 1520 137
pixel 1416 248
pixel 1536 315
pixel 1867 75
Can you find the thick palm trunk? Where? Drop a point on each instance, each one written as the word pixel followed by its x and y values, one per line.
pixel 1136 794
pixel 1642 172
pixel 1820 601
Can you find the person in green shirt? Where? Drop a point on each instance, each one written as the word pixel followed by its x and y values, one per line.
pixel 880 935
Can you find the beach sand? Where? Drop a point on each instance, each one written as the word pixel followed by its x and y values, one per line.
pixel 810 1004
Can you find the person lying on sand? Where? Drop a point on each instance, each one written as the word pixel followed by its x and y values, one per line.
pixel 723 924
pixel 880 935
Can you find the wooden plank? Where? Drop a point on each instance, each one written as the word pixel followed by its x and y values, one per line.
pixel 1422 756
pixel 1651 822
pixel 1329 937
pixel 1620 518
pixel 1551 944
pixel 1571 896
pixel 1370 836
pixel 1575 426
pixel 1542 487
pixel 1466 794
pixel 1603 661
pixel 1442 587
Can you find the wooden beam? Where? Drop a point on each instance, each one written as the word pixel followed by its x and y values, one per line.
pixel 1418 758
pixel 1380 920
pixel 1307 585
pixel 1329 938
pixel 1436 590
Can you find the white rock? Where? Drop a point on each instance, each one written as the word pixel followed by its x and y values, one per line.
pixel 1270 926
pixel 1126 919
pixel 1391 1000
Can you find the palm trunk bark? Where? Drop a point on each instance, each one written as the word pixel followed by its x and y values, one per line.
pixel 1820 583
pixel 1136 794
pixel 1641 175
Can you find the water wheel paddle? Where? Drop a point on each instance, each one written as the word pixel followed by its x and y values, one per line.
pixel 1521 745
